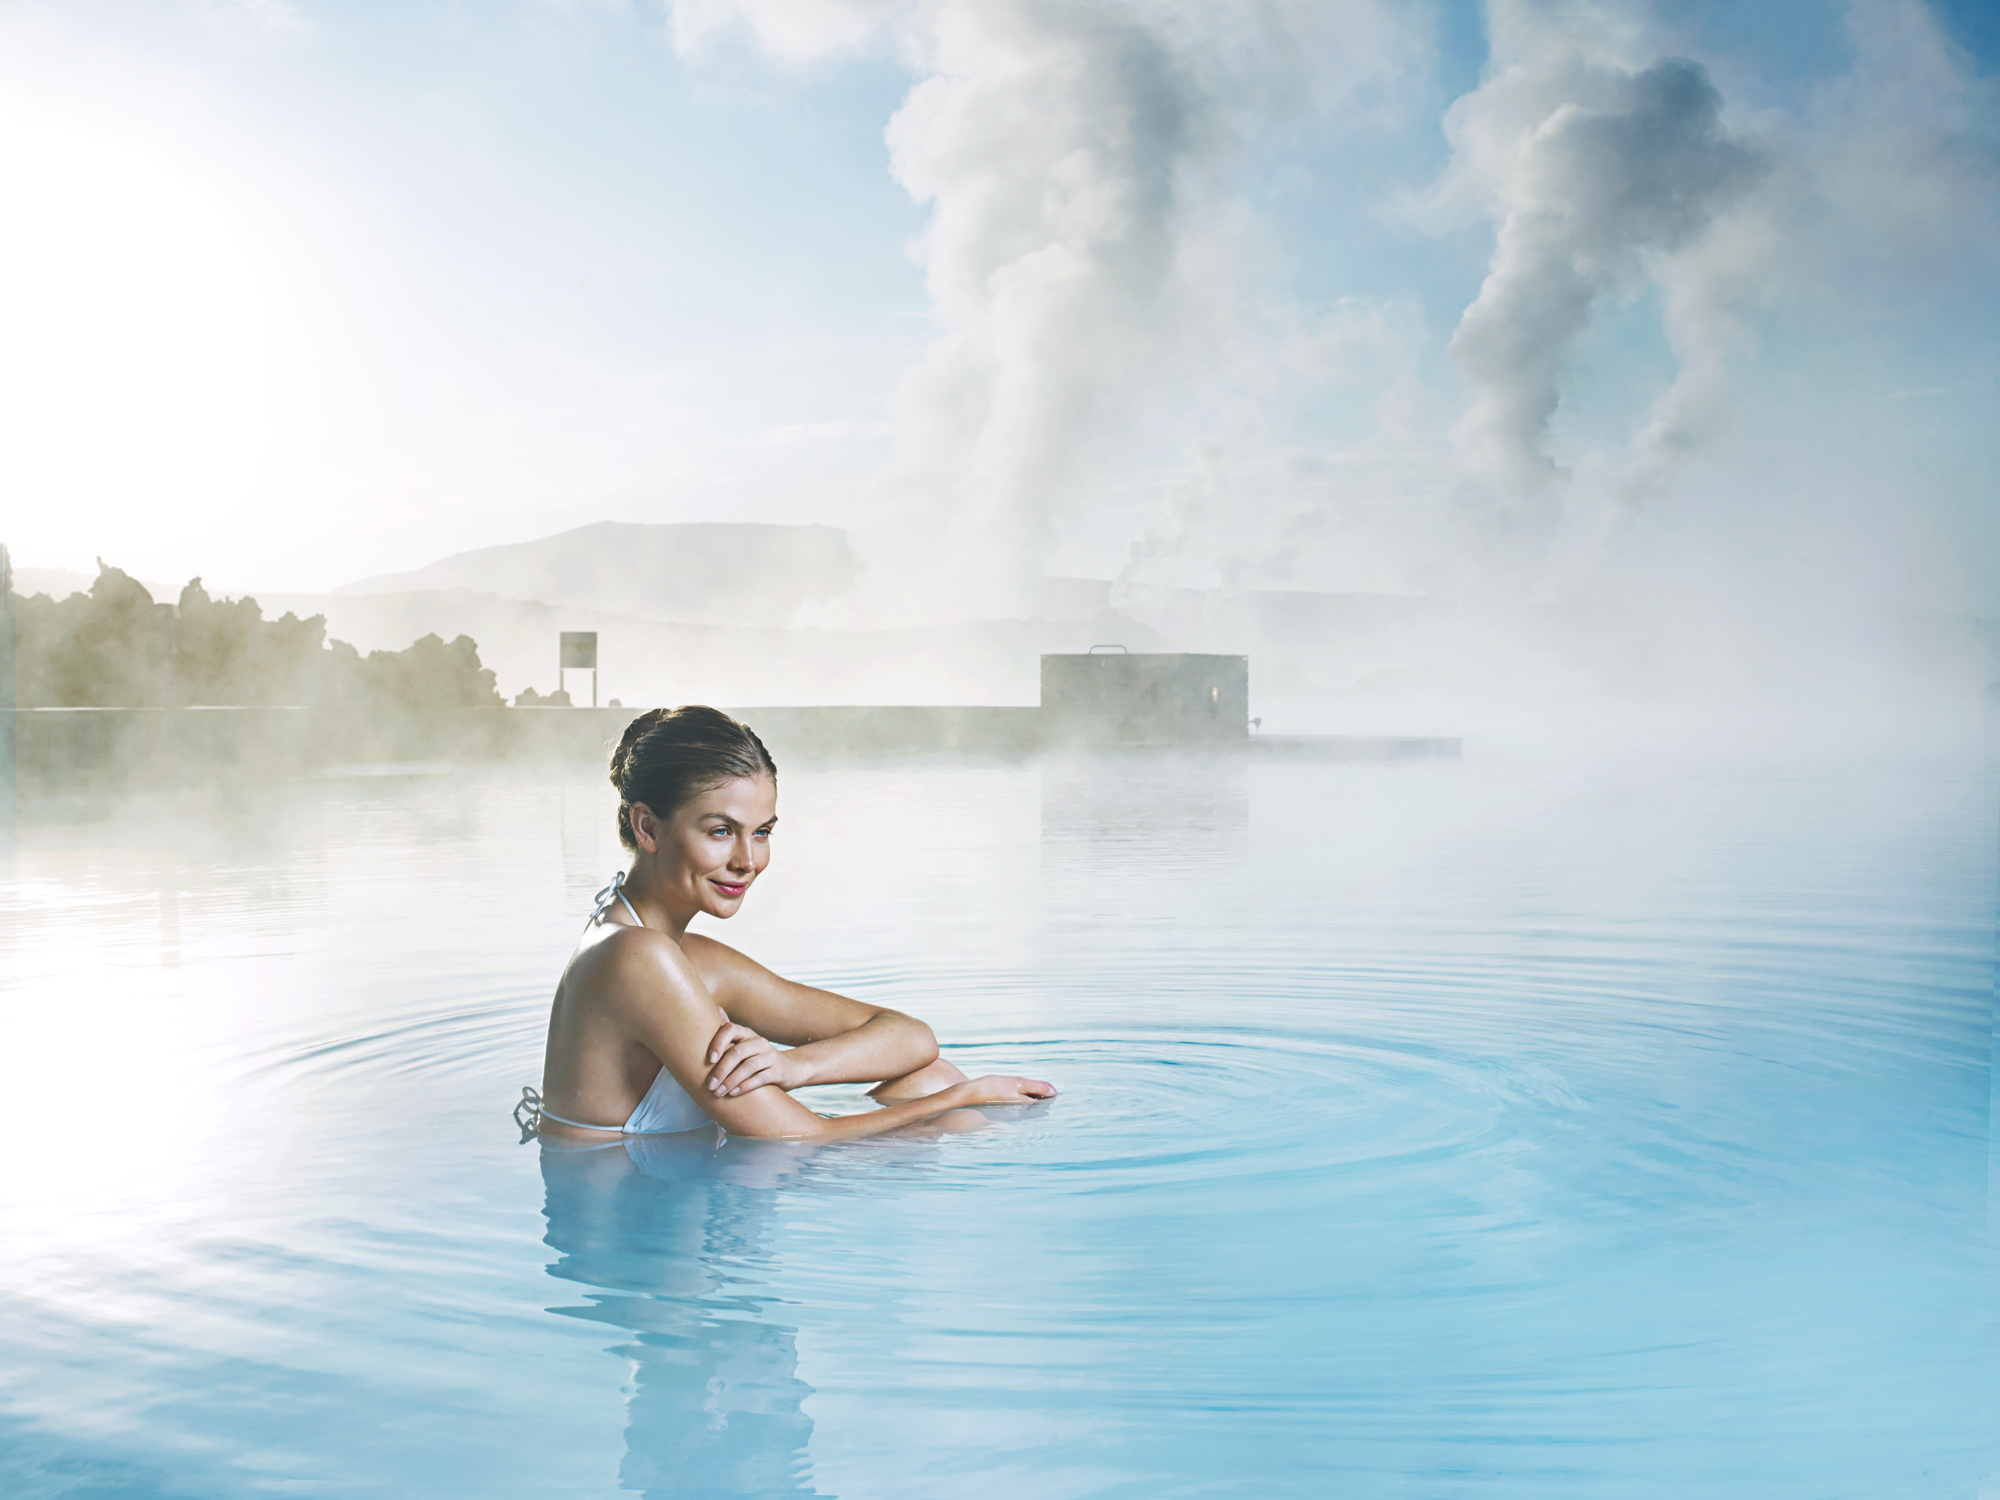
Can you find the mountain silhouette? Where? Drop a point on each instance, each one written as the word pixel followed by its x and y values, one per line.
pixel 697 573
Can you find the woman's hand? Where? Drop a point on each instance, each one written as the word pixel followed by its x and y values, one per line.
pixel 739 1060
pixel 1001 1088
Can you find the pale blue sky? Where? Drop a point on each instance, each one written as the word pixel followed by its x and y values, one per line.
pixel 312 290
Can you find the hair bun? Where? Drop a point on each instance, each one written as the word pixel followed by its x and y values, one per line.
pixel 621 757
pixel 668 755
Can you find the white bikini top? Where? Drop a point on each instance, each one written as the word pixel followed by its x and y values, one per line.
pixel 667 1107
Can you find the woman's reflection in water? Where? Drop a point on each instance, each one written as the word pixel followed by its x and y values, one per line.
pixel 667 1231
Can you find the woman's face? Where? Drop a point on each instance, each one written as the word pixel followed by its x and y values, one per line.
pixel 715 845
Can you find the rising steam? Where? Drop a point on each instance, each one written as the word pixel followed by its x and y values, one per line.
pixel 1094 274
pixel 1596 175
pixel 1049 142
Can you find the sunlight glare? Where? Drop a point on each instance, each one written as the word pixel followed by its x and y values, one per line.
pixel 135 320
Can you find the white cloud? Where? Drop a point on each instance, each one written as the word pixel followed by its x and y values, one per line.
pixel 1898 149
pixel 792 30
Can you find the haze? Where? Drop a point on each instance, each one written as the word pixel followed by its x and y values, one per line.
pixel 1645 343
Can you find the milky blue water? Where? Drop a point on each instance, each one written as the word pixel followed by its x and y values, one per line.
pixel 1494 1130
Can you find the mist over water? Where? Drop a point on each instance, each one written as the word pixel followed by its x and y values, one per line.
pixel 1480 1127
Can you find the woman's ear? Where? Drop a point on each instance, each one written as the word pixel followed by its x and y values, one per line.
pixel 645 828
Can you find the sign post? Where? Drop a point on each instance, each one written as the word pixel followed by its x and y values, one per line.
pixel 579 650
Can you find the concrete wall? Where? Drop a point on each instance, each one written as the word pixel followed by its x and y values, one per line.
pixel 6 676
pixel 71 748
pixel 59 748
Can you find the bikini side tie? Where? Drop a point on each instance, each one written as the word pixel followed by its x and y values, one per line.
pixel 528 1114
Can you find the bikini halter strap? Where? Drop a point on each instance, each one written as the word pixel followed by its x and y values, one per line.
pixel 614 892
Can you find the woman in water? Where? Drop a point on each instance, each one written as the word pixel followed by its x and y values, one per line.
pixel 657 1029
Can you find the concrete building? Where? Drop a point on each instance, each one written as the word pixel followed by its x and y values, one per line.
pixel 1115 697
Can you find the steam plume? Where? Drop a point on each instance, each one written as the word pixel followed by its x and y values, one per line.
pixel 1596 173
pixel 1084 282
pixel 1049 142
pixel 1075 256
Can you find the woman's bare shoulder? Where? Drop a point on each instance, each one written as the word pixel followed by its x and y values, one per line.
pixel 633 964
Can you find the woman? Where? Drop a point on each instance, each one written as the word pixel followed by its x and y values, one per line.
pixel 657 1029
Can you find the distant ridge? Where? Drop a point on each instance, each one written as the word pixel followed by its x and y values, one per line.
pixel 696 573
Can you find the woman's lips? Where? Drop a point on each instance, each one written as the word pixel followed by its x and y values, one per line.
pixel 731 888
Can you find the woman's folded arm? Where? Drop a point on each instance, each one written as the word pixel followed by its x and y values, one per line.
pixel 670 1011
pixel 832 1038
pixel 887 1045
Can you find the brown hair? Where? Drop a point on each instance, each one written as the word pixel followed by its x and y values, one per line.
pixel 670 755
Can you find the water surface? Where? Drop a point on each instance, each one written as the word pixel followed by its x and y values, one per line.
pixel 1430 1130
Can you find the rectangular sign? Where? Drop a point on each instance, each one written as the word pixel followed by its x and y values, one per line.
pixel 579 649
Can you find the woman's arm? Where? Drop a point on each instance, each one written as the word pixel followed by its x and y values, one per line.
pixel 832 1038
pixel 665 1006
pixel 995 1088
pixel 741 1059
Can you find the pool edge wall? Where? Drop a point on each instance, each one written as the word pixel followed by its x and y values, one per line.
pixel 73 748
